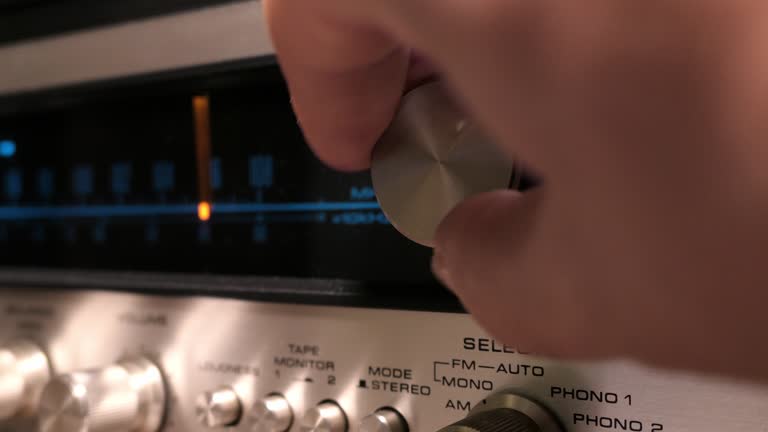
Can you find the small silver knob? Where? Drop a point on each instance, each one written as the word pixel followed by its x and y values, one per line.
pixel 384 420
pixel 271 414
pixel 219 408
pixel 325 417
pixel 129 396
pixel 24 371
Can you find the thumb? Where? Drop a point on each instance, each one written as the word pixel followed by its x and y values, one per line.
pixel 502 258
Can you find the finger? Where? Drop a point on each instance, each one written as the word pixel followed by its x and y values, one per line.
pixel 496 251
pixel 489 53
pixel 345 78
pixel 348 66
pixel 420 71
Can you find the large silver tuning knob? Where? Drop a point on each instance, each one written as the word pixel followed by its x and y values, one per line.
pixel 431 158
pixel 129 396
pixel 24 370
pixel 507 411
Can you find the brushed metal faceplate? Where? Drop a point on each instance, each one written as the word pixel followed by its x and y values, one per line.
pixel 314 353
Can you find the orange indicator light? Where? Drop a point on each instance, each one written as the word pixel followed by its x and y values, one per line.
pixel 204 211
pixel 201 107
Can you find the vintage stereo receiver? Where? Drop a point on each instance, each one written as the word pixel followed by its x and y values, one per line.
pixel 174 258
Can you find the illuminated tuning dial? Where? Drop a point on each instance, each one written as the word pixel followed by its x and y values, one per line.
pixel 129 396
pixel 505 412
pixel 24 371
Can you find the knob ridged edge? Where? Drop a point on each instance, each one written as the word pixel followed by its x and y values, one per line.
pixel 507 412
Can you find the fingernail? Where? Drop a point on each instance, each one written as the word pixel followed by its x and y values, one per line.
pixel 439 267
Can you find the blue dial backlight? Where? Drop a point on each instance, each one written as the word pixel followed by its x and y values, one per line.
pixel 7 148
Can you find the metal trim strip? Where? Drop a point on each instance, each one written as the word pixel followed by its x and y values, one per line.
pixel 184 40
pixel 329 292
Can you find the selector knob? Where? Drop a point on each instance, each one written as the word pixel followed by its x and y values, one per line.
pixel 431 158
pixel 272 414
pixel 384 420
pixel 129 396
pixel 219 408
pixel 504 412
pixel 325 417
pixel 24 371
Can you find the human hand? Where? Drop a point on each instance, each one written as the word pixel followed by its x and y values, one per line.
pixel 646 122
